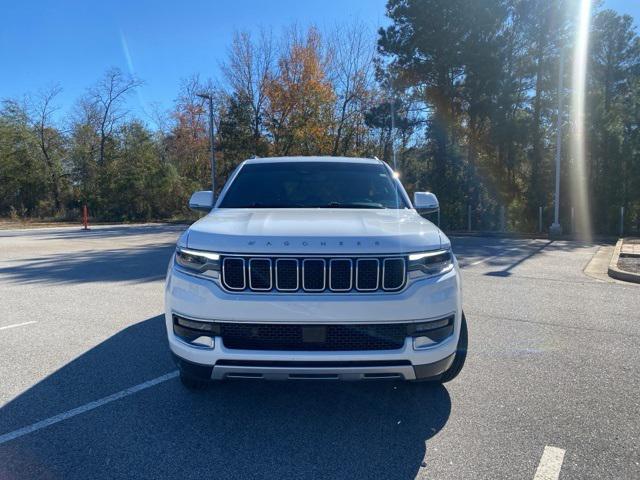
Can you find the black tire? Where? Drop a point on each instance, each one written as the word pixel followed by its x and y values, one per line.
pixel 192 383
pixel 461 354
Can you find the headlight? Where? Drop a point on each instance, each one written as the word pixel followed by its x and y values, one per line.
pixel 197 260
pixel 432 263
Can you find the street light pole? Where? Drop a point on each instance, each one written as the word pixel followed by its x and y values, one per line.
pixel 209 97
pixel 556 228
pixel 393 131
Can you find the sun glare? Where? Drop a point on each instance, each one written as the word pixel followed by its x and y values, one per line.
pixel 579 195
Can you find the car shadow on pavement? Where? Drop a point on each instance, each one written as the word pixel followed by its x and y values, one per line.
pixel 102 231
pixel 146 263
pixel 505 254
pixel 235 429
pixel 506 272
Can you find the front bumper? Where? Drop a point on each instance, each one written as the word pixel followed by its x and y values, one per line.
pixel 296 370
pixel 204 300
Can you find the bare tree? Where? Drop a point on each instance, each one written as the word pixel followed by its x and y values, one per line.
pixel 352 49
pixel 108 96
pixel 248 69
pixel 49 138
pixel 189 135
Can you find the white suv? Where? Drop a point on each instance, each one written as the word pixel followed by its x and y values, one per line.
pixel 314 268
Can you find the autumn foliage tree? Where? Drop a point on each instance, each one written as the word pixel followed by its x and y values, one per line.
pixel 300 98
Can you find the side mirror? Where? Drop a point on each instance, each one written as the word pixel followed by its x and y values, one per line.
pixel 201 201
pixel 425 202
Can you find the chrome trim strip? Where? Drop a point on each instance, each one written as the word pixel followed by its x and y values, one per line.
pixel 297 373
pixel 350 275
pixel 314 255
pixel 324 275
pixel 315 322
pixel 224 276
pixel 270 275
pixel 404 273
pixel 377 274
pixel 297 275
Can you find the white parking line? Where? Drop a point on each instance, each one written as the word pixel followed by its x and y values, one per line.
pixel 550 464
pixel 7 327
pixel 7 437
pixel 478 262
pixel 489 258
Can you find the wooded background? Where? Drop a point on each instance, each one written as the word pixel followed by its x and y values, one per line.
pixel 472 84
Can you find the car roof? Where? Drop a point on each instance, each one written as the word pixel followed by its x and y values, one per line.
pixel 312 159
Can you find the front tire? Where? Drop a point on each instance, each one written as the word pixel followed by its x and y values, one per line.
pixel 461 354
pixel 192 383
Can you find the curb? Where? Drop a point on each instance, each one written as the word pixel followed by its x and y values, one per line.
pixel 467 233
pixel 529 236
pixel 615 272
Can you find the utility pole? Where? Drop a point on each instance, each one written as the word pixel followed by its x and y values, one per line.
pixel 208 96
pixel 393 131
pixel 556 228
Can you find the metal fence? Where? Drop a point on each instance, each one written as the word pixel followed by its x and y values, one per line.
pixel 618 220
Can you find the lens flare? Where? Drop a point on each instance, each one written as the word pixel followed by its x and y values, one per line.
pixel 579 194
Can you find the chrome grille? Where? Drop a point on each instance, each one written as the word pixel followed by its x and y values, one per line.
pixel 290 274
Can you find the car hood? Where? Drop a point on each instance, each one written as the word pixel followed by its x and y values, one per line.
pixel 314 231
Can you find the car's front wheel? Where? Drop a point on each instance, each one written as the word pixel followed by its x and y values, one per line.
pixel 458 360
pixel 193 383
pixel 461 354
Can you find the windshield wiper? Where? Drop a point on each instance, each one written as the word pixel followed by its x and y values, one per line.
pixel 328 205
pixel 353 205
pixel 273 205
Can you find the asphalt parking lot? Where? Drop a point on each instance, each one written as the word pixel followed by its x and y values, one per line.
pixel 88 388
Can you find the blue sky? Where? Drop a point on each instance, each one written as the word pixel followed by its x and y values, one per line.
pixel 72 42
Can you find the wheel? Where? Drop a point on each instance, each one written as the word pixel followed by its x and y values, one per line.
pixel 461 354
pixel 193 383
pixel 457 364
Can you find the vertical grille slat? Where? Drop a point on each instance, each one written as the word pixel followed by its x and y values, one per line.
pixel 340 274
pixel 260 274
pixel 393 273
pixel 290 274
pixel 313 274
pixel 367 274
pixel 287 274
pixel 233 273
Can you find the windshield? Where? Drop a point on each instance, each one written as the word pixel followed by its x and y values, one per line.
pixel 313 185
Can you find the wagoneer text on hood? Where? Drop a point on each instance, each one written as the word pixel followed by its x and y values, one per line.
pixel 314 230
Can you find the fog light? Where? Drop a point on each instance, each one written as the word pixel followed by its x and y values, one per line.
pixel 197 325
pixel 427 334
pixel 422 328
pixel 197 333
pixel 422 342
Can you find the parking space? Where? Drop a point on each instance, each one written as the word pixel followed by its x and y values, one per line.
pixel 89 389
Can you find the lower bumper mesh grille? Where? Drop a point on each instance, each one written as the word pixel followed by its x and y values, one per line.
pixel 313 337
